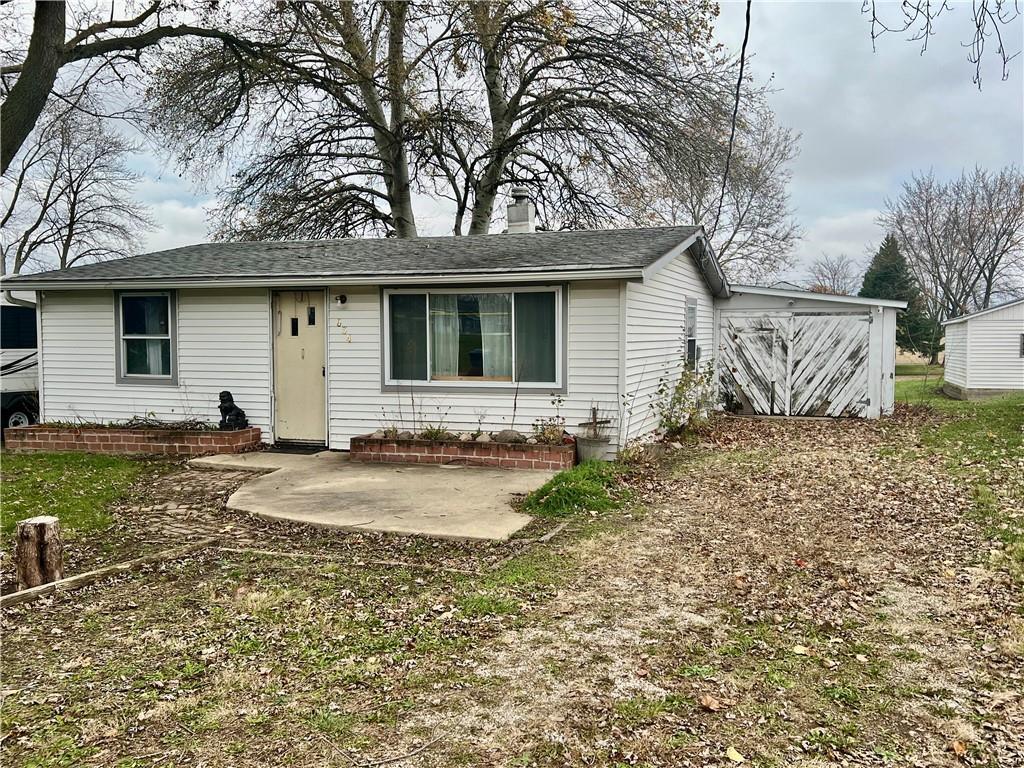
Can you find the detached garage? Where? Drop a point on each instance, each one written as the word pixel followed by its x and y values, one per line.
pixel 787 352
pixel 985 352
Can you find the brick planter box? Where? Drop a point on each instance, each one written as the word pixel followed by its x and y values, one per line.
pixel 502 455
pixel 166 442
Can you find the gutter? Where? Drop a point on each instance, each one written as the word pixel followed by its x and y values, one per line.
pixel 300 281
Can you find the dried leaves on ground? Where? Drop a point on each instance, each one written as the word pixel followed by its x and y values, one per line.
pixel 780 593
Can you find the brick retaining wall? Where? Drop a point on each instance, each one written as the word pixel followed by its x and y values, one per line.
pixel 165 442
pixel 502 455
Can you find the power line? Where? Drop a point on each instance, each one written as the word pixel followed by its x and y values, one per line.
pixel 735 116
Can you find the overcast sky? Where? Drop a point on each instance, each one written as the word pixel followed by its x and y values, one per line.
pixel 868 119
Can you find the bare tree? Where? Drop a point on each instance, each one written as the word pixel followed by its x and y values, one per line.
pixel 30 72
pixel 989 227
pixel 963 239
pixel 361 104
pixel 70 197
pixel 990 23
pixel 755 234
pixel 837 275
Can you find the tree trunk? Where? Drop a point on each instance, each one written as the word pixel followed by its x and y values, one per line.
pixel 38 551
pixel 26 99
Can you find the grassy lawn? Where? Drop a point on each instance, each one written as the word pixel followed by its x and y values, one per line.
pixel 593 486
pixel 918 369
pixel 76 487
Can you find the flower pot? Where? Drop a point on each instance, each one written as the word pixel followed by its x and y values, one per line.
pixel 591 448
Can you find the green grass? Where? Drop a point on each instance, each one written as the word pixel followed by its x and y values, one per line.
pixel 918 369
pixel 589 487
pixel 981 441
pixel 76 487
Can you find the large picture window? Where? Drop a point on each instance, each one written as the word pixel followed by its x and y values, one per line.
pixel 146 343
pixel 489 337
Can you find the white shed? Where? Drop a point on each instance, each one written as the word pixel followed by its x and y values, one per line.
pixel 788 352
pixel 985 352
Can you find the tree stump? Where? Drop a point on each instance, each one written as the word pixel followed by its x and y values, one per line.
pixel 38 551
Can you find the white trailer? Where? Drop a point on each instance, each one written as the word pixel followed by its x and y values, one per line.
pixel 19 360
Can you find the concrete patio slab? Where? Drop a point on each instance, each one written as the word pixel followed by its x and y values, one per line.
pixel 328 490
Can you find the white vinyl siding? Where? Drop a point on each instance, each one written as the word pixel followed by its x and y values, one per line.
pixel 358 405
pixel 993 349
pixel 956 354
pixel 656 335
pixel 222 343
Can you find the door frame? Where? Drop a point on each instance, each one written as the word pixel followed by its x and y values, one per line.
pixel 327 359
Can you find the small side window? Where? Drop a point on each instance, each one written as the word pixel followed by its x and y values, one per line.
pixel 692 350
pixel 1022 345
pixel 146 340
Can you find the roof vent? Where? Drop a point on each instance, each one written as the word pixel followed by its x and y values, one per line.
pixel 521 212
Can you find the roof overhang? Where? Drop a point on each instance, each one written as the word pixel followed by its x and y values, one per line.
pixel 787 293
pixel 706 261
pixel 25 282
pixel 980 312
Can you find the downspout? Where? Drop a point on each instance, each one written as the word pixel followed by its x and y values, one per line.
pixel 10 299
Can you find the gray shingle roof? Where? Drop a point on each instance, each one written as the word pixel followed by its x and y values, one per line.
pixel 539 251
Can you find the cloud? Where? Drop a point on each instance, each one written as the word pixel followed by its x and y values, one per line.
pixel 855 234
pixel 179 224
pixel 869 119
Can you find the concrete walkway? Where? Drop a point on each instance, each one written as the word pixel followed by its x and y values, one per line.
pixel 328 490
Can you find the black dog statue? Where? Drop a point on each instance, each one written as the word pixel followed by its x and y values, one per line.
pixel 231 416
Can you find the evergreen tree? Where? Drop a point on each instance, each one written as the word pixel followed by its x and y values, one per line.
pixel 889 277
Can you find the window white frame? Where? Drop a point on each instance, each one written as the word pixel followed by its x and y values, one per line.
pixel 121 356
pixel 690 332
pixel 470 383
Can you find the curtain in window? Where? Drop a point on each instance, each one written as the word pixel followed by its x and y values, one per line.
pixel 147 357
pixel 496 334
pixel 444 334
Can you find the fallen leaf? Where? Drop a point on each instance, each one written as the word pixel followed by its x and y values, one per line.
pixel 735 756
pixel 959 748
pixel 801 650
pixel 710 702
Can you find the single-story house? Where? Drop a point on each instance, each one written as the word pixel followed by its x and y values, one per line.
pixel 788 352
pixel 985 352
pixel 322 341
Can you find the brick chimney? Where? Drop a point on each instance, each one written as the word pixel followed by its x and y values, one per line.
pixel 521 213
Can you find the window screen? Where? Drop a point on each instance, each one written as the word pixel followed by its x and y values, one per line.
pixel 535 336
pixel 409 336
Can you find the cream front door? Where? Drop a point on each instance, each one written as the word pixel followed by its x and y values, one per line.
pixel 299 374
